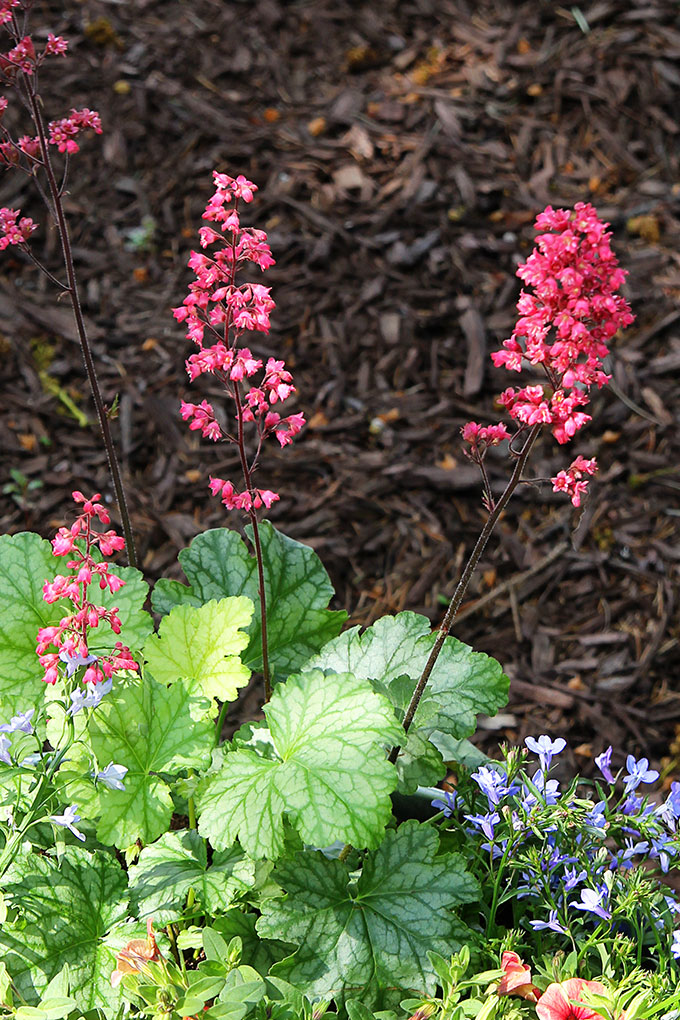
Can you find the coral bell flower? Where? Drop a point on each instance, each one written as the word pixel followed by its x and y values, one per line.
pixel 132 959
pixel 556 1001
pixel 516 978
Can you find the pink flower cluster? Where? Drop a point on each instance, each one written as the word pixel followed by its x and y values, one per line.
pixel 219 310
pixel 63 132
pixel 22 56
pixel 575 277
pixel 13 232
pixel 70 635
pixel 6 8
pixel 564 327
pixel 572 481
pixel 481 437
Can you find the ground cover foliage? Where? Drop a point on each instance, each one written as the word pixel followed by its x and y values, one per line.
pixel 348 851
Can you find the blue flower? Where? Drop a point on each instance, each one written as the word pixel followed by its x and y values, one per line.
pixel 597 815
pixel 448 805
pixel 593 900
pixel 22 722
pixel 74 662
pixel 603 761
pixel 492 784
pixel 550 788
pixel 5 744
pixel 485 822
pixel 663 849
pixel 68 821
pixel 638 772
pixel 83 698
pixel 632 849
pixel 631 805
pixel 572 878
pixel 113 776
pixel 545 748
pixel 551 923
pixel 675 947
pixel 670 809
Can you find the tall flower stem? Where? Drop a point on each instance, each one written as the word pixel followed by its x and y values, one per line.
pixel 247 478
pixel 62 226
pixel 263 606
pixel 466 576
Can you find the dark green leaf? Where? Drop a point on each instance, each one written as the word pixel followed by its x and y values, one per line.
pixel 359 939
pixel 217 564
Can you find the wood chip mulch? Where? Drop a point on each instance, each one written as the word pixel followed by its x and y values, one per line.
pixel 402 149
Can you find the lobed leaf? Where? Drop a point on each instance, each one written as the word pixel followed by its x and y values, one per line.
pixel 65 908
pixel 178 862
pixel 325 770
pixel 150 729
pixel 463 682
pixel 200 645
pixel 359 938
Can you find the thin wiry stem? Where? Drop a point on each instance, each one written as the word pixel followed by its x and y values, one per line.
pixel 72 288
pixel 466 576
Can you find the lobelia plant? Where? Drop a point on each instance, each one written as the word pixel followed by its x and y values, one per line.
pixel 150 868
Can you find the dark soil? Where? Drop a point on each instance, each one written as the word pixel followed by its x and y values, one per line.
pixel 402 149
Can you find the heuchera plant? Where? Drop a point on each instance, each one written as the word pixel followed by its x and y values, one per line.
pixel 151 868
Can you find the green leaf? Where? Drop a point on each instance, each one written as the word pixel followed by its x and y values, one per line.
pixel 177 862
pixel 149 729
pixel 463 683
pixel 298 589
pixel 201 645
pixel 329 775
pixel 360 938
pixel 460 751
pixel 26 562
pixel 65 908
pixel 260 953
pixel 419 763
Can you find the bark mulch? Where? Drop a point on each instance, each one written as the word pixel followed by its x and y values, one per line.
pixel 402 149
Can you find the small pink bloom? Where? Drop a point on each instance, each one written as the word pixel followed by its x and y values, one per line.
pixel 56 45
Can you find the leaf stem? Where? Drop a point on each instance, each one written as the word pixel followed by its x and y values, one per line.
pixel 466 576
pixel 220 723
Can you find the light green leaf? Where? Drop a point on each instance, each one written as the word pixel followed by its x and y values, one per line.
pixel 201 645
pixel 359 938
pixel 329 774
pixel 177 862
pixel 463 683
pixel 298 589
pixel 26 562
pixel 148 728
pixel 64 909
